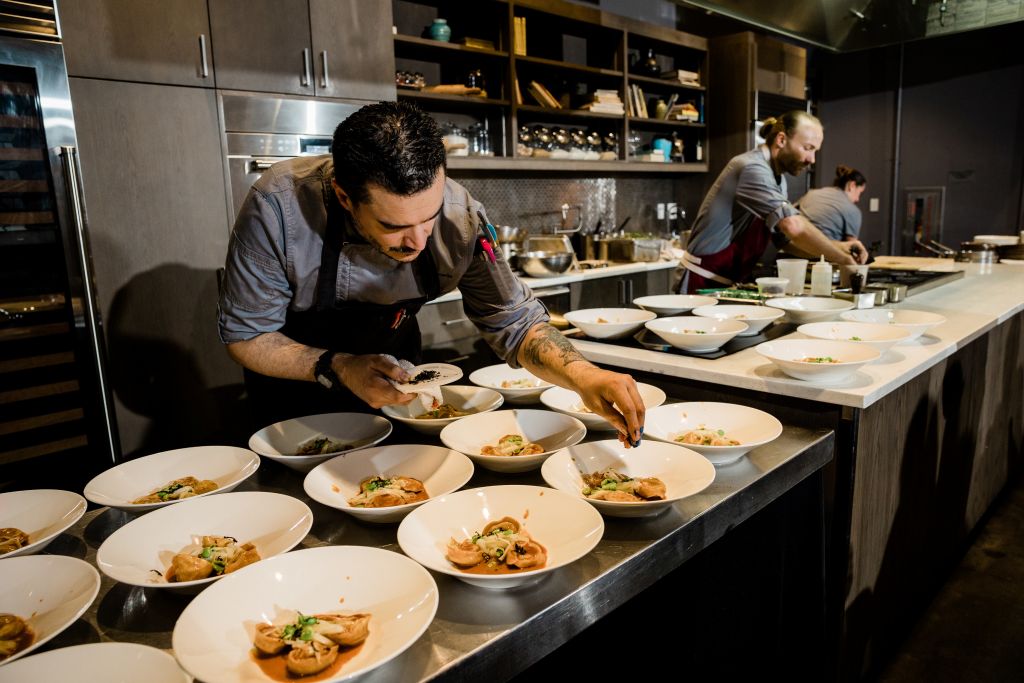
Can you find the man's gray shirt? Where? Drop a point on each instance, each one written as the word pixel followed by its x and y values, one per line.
pixel 275 251
pixel 746 189
pixel 832 212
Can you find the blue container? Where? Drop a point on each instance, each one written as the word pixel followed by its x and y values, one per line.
pixel 440 30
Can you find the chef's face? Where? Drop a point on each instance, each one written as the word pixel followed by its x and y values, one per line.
pixel 794 154
pixel 397 225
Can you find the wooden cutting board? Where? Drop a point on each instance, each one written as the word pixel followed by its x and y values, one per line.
pixel 914 263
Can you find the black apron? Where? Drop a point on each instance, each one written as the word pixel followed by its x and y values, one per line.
pixel 354 327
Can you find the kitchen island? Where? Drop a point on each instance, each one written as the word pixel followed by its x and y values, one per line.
pixel 927 437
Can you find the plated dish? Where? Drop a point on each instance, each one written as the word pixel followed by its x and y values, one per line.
pixel 733 430
pixel 177 489
pixel 210 556
pixel 461 400
pixel 512 440
pixel 757 318
pixel 98 663
pixel 570 403
pixel 383 492
pixel 120 486
pixel 809 309
pixel 818 360
pixel 610 484
pixel 30 520
pixel 916 322
pixel 307 645
pixel 284 442
pixel 879 337
pixel 609 323
pixel 503 546
pixel 517 386
pixel 695 334
pixel 673 304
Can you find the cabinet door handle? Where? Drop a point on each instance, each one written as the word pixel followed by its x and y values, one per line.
pixel 622 292
pixel 324 78
pixel 204 66
pixel 305 68
pixel 782 81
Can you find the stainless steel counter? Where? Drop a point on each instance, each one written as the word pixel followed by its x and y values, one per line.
pixel 477 630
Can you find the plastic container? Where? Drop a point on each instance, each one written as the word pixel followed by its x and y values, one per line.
pixel 794 270
pixel 772 286
pixel 821 278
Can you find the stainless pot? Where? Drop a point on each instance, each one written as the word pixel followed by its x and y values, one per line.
pixel 545 263
pixel 977 252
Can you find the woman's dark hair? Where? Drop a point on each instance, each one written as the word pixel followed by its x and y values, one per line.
pixel 845 174
pixel 786 123
pixel 395 145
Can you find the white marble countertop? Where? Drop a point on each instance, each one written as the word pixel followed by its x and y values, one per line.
pixel 567 278
pixel 987 296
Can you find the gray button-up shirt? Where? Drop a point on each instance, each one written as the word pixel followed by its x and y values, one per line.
pixel 275 251
pixel 832 212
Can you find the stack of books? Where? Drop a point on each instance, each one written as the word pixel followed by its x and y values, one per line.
pixel 636 103
pixel 543 96
pixel 605 102
pixel 683 76
pixel 683 112
pixel 519 35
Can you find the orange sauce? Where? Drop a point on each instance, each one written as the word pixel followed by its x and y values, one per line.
pixel 275 666
pixel 23 640
pixel 502 568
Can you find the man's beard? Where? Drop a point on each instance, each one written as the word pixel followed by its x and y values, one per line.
pixel 396 253
pixel 792 164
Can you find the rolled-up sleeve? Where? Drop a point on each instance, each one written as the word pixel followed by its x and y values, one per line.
pixel 255 292
pixel 758 192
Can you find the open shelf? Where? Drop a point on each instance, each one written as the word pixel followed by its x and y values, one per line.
pixel 567 113
pixel 571 165
pixel 641 121
pixel 665 82
pixel 428 44
pixel 464 100
pixel 567 66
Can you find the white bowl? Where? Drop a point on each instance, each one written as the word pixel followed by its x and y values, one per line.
pixel 998 240
pixel 465 398
pixel 563 523
pixel 213 636
pixel 280 441
pixel 50 592
pixel 916 322
pixel 756 317
pixel 570 403
pixel 553 431
pixel 617 322
pixel 673 304
pixel 880 337
pixel 786 354
pixel 683 471
pixel 696 334
pixel 441 470
pixel 98 663
pixel 274 522
pixel 120 485
pixel 493 375
pixel 749 426
pixel 43 514
pixel 809 309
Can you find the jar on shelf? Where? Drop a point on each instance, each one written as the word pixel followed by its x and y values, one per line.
pixel 440 30
pixel 456 143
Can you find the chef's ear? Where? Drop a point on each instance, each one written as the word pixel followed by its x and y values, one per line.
pixel 343 198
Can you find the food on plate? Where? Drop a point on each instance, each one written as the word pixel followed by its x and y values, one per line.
pixel 694 332
pixel 443 412
pixel 381 492
pixel 185 487
pixel 503 547
pixel 610 484
pixel 817 359
pixel 310 644
pixel 702 436
pixel 512 444
pixel 15 635
pixel 524 383
pixel 12 539
pixel 321 445
pixel 856 339
pixel 215 556
pixel 424 376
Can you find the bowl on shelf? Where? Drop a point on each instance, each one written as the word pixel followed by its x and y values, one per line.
pixel 818 360
pixel 757 318
pixel 462 398
pixel 609 323
pixel 349 431
pixel 916 322
pixel 569 402
pixel 551 431
pixel 809 309
pixel 696 334
pixel 880 337
pixel 673 304
pixel 749 426
pixel 518 386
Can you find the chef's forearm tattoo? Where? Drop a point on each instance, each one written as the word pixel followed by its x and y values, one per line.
pixel 546 345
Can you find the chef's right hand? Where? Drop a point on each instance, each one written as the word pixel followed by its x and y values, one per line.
pixel 856 250
pixel 367 377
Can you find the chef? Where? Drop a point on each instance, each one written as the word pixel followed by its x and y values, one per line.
pixel 747 207
pixel 332 256
pixel 833 210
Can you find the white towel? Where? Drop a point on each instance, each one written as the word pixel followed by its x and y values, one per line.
pixel 427 398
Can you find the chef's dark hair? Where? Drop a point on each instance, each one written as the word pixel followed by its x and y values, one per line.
pixel 845 174
pixel 786 123
pixel 395 145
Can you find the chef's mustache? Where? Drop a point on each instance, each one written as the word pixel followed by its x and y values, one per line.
pixel 402 250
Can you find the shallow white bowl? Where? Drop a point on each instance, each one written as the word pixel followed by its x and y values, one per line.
pixel 696 334
pixel 441 470
pixel 281 441
pixel 809 309
pixel 916 322
pixel 470 399
pixel 879 337
pixel 673 304
pixel 619 322
pixel 551 430
pixel 213 636
pixel 785 353
pixel 683 471
pixel 998 240
pixel 274 522
pixel 118 486
pixel 570 403
pixel 43 514
pixel 493 375
pixel 98 663
pixel 563 523
pixel 50 592
pixel 749 426
pixel 756 317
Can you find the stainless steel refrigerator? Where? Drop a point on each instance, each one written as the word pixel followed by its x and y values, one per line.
pixel 57 427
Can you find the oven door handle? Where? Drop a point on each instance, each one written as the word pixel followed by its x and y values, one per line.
pixel 261 165
pixel 551 291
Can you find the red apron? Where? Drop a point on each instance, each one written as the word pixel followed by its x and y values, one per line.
pixel 734 263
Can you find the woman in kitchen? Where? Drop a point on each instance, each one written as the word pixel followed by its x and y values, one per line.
pixel 833 210
pixel 748 206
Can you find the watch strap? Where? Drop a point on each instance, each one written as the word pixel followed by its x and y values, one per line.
pixel 324 373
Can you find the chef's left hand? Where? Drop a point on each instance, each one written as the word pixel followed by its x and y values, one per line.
pixel 614 396
pixel 856 249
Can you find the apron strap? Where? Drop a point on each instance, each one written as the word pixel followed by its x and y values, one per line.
pixel 692 263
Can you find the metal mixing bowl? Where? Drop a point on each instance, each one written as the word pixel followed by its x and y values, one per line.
pixel 545 263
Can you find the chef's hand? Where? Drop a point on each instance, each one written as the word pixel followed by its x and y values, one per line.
pixel 367 377
pixel 614 396
pixel 855 249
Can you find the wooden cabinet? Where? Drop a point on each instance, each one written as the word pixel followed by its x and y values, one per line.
pixel 781 68
pixel 154 42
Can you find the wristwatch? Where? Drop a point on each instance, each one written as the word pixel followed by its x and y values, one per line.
pixel 325 374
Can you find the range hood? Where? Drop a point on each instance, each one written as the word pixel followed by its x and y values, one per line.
pixel 847 25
